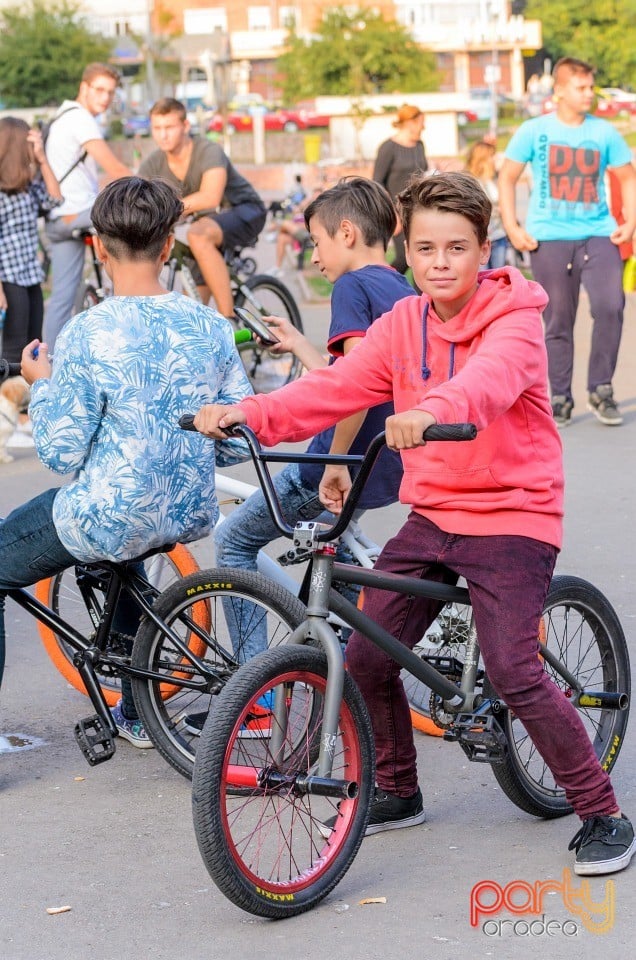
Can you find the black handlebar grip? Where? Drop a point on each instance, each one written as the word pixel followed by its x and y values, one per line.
pixel 451 431
pixel 9 370
pixel 186 422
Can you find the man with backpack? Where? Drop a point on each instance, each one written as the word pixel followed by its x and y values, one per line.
pixel 75 148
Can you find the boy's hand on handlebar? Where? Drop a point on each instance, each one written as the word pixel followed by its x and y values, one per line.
pixel 287 334
pixel 35 367
pixel 211 419
pixel 334 487
pixel 404 431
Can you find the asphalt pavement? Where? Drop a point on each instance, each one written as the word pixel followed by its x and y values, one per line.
pixel 115 843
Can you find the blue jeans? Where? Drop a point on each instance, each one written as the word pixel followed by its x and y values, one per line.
pixel 247 530
pixel 508 579
pixel 31 550
pixel 498 253
pixel 67 266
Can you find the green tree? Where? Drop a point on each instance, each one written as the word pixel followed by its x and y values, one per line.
pixel 44 47
pixel 604 34
pixel 354 53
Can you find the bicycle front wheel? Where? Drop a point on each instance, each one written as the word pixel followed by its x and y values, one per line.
pixel 83 610
pixel 259 823
pixel 267 296
pixel 87 297
pixel 238 605
pixel 582 629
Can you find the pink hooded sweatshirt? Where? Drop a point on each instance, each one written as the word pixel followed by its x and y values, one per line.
pixel 487 366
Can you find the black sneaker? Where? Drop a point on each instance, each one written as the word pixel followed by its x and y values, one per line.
pixel 603 845
pixel 562 410
pixel 603 405
pixel 388 812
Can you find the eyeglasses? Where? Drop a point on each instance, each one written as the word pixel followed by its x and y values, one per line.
pixel 105 90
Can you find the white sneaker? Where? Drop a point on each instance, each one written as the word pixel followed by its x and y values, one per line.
pixel 20 439
pixel 275 272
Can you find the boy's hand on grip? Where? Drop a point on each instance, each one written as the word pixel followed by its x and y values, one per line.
pixel 211 419
pixel 404 431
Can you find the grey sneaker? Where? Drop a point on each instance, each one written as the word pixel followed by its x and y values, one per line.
pixel 562 410
pixel 603 405
pixel 388 812
pixel 603 845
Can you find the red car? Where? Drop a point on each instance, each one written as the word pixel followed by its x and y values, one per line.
pixel 287 120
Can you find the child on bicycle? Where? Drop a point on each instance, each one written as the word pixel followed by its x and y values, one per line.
pixel 351 225
pixel 106 411
pixel 471 348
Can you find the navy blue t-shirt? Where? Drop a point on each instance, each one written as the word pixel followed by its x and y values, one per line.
pixel 358 298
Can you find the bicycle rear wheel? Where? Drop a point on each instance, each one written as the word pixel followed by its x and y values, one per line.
pixel 257 822
pixel 238 603
pixel 62 594
pixel 581 628
pixel 267 296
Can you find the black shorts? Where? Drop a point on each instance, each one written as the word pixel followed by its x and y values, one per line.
pixel 241 225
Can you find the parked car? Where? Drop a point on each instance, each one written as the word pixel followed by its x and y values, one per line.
pixel 610 102
pixel 287 120
pixel 136 124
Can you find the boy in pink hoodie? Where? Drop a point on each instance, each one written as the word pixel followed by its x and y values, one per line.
pixel 471 348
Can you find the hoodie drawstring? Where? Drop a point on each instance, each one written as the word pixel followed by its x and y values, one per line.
pixel 426 371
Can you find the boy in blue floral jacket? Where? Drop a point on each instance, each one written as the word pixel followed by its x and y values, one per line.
pixel 107 411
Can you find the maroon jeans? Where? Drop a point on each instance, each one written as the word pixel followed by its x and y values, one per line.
pixel 508 579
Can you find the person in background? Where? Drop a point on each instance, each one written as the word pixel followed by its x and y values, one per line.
pixel 571 234
pixel 481 163
pixel 397 160
pixel 28 189
pixel 230 212
pixel 75 149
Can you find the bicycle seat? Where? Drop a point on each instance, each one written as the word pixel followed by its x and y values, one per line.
pixel 84 233
pixel 166 548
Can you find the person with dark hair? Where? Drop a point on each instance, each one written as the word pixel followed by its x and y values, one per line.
pixel 351 225
pixel 398 158
pixel 571 234
pixel 106 411
pixel 227 210
pixel 28 189
pixel 470 349
pixel 75 148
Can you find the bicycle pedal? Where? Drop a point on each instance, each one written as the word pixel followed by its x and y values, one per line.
pixel 95 741
pixel 480 736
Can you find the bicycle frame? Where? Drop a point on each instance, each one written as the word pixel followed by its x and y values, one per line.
pixel 93 653
pixel 473 712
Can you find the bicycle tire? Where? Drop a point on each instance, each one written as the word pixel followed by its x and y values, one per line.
pixel 263 847
pixel 267 296
pixel 582 628
pixel 167 720
pixel 62 595
pixel 86 297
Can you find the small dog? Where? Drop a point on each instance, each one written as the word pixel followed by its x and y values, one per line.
pixel 14 397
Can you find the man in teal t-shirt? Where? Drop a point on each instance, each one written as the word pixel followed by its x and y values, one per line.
pixel 572 237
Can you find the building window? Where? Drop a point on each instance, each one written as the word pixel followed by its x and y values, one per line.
pixel 288 16
pixel 259 18
pixel 204 21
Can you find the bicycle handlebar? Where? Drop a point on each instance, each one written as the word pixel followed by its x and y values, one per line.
pixel 9 370
pixel 260 457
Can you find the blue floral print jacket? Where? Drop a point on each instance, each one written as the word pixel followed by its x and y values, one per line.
pixel 123 374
